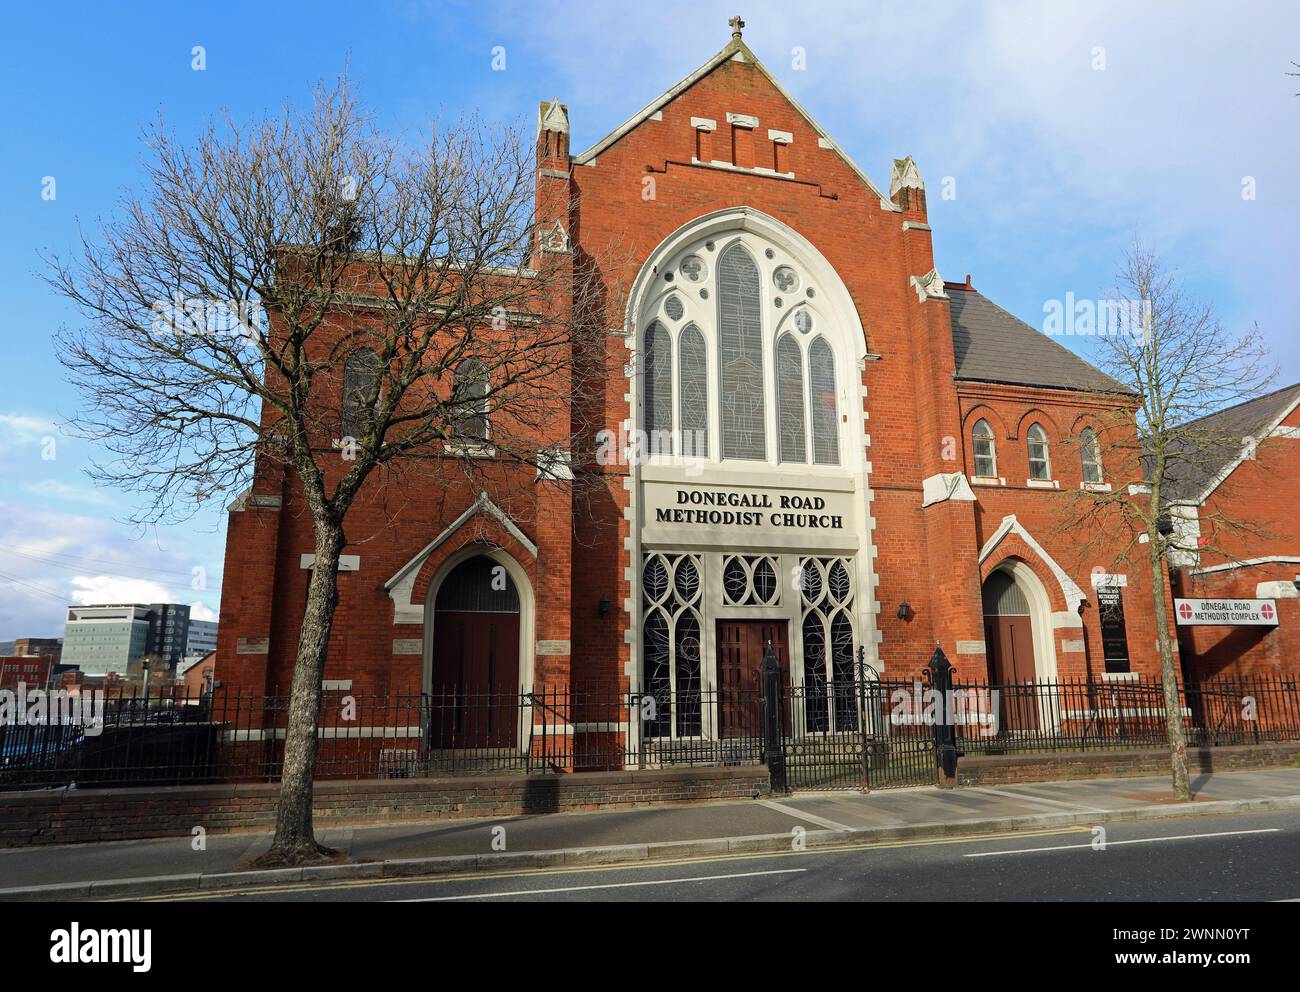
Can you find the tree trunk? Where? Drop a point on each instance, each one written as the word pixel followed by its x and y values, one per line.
pixel 1169 674
pixel 295 839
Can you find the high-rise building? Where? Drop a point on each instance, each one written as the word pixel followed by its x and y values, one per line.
pixel 111 637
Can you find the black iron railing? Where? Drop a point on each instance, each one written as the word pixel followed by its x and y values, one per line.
pixel 830 734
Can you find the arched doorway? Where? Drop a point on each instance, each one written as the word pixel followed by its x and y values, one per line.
pixel 1009 641
pixel 474 667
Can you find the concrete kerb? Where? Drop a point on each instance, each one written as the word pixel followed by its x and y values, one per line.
pixel 627 853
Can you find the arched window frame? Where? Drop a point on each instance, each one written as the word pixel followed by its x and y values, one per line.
pixel 471 422
pixel 1090 458
pixel 657 387
pixel 360 375
pixel 695 290
pixel 1040 455
pixel 984 446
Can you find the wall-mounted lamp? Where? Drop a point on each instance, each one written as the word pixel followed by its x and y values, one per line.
pixel 904 609
pixel 603 606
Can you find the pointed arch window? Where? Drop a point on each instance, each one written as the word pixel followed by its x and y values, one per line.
pixel 657 352
pixel 825 419
pixel 360 373
pixel 693 390
pixel 1090 455
pixel 985 447
pixel 740 351
pixel 469 415
pixel 1040 462
pixel 789 401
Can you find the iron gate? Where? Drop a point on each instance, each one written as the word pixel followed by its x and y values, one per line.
pixel 844 735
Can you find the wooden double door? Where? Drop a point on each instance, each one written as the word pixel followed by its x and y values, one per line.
pixel 1012 670
pixel 741 645
pixel 475 679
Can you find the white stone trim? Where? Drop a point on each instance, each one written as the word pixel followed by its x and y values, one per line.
pixel 971 647
pixel 916 225
pixel 402 584
pixel 1109 579
pixel 1010 525
pixel 742 120
pixel 780 137
pixel 928 286
pixel 1249 563
pixel 946 486
pixel 554 648
pixel 1277 590
pixel 1042 484
pixel 335 685
pixel 704 124
pixel 1290 433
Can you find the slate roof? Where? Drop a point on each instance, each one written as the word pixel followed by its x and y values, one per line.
pixel 992 345
pixel 1218 438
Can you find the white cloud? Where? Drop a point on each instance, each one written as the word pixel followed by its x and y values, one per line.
pixel 89 590
pixel 49 560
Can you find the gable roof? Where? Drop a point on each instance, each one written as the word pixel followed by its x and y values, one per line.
pixel 992 345
pixel 738 50
pixel 1221 449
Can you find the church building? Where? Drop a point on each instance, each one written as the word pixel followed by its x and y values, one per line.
pixel 860 461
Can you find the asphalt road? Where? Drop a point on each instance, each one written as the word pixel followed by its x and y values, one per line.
pixel 1252 857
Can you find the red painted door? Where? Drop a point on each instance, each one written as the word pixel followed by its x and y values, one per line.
pixel 1010 642
pixel 475 679
pixel 741 644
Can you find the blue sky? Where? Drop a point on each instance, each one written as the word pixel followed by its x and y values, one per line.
pixel 1064 128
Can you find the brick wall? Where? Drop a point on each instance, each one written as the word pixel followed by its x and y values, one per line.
pixel 1002 769
pixel 1262 492
pixel 28 818
pixel 917 420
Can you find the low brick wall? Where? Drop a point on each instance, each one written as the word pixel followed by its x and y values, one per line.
pixel 28 818
pixel 1006 768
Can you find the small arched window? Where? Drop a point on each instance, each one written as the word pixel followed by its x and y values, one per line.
pixel 469 414
pixel 360 374
pixel 693 392
pixel 985 447
pixel 658 359
pixel 789 401
pixel 1040 464
pixel 1090 455
pixel 825 415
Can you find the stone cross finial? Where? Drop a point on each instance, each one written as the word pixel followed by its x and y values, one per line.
pixel 736 25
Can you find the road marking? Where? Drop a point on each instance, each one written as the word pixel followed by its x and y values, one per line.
pixel 799 814
pixel 609 885
pixel 1116 843
pixel 271 889
pixel 1043 799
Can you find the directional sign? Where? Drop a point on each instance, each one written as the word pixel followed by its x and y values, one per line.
pixel 1226 612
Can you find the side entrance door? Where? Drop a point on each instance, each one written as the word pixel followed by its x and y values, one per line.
pixel 741 644
pixel 475 679
pixel 1010 641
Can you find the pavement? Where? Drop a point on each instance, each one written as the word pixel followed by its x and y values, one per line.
pixel 668 833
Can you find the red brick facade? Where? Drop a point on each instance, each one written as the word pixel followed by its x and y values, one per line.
pixel 728 145
pixel 1260 561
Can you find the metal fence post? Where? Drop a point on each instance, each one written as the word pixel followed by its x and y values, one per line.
pixel 940 672
pixel 773 748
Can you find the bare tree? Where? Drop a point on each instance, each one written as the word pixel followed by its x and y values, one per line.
pixel 312 296
pixel 1178 364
